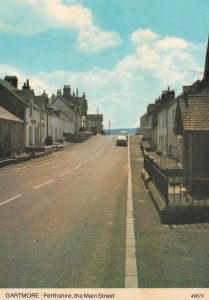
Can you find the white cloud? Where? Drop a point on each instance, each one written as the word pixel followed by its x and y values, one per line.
pixel 173 43
pixel 35 16
pixel 123 93
pixel 142 36
pixel 167 59
pixel 95 39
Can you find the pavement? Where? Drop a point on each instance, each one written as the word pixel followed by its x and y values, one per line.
pixel 168 255
pixel 59 150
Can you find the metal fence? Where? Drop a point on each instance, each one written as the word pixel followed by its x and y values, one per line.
pixel 193 191
pixel 157 177
pixel 177 190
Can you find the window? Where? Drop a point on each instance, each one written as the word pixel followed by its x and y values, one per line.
pixel 30 135
pixel 52 132
pixel 55 133
pixel 31 108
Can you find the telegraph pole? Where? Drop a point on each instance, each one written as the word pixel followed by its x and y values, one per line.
pixel 109 127
pixel 76 116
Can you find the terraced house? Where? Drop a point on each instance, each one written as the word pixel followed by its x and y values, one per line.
pixel 183 136
pixel 38 118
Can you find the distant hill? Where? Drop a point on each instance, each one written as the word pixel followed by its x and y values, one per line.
pixel 131 131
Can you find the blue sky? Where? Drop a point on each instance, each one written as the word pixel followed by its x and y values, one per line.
pixel 121 53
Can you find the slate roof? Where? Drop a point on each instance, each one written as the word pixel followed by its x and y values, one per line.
pixel 7 85
pixel 27 95
pixel 12 89
pixel 194 113
pixel 6 115
pixel 72 106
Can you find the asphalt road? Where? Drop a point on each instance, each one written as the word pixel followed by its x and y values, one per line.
pixel 63 223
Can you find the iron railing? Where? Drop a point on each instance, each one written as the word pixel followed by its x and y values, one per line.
pixel 192 191
pixel 174 187
pixel 158 178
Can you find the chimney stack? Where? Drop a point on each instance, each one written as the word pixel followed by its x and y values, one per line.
pixel 26 85
pixel 186 98
pixel 66 90
pixel 12 80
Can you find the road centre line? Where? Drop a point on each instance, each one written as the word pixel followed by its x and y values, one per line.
pixel 42 184
pixel 63 174
pixel 85 162
pixel 11 199
pixel 77 167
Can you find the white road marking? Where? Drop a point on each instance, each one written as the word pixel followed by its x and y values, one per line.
pixel 131 276
pixel 85 162
pixel 77 167
pixel 11 199
pixel 42 184
pixel 61 175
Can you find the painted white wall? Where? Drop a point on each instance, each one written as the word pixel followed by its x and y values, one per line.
pixel 55 129
pixel 172 138
pixel 36 126
pixel 70 113
pixel 162 131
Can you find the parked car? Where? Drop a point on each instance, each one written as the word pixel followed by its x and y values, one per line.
pixel 121 140
pixel 125 133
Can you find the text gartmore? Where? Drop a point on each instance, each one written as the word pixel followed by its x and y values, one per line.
pixel 60 296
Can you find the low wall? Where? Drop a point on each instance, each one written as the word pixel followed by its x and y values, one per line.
pixel 178 213
pixel 82 136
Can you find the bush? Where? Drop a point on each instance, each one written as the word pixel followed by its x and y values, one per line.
pixel 59 141
pixel 82 129
pixel 48 140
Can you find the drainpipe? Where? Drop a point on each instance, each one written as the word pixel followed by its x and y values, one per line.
pixel 167 131
pixel 25 127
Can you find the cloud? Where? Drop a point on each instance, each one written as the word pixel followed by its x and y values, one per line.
pixel 123 92
pixel 167 59
pixel 35 16
pixel 173 42
pixel 142 36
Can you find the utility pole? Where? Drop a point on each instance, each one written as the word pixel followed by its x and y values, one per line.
pixel 109 127
pixel 76 113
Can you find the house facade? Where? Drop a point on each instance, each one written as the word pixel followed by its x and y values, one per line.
pixel 94 123
pixel 146 123
pixel 40 118
pixel 165 117
pixel 58 124
pixel 12 133
pixel 192 123
pixel 36 125
pixel 73 106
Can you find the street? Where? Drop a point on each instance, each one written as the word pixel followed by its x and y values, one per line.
pixel 63 225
